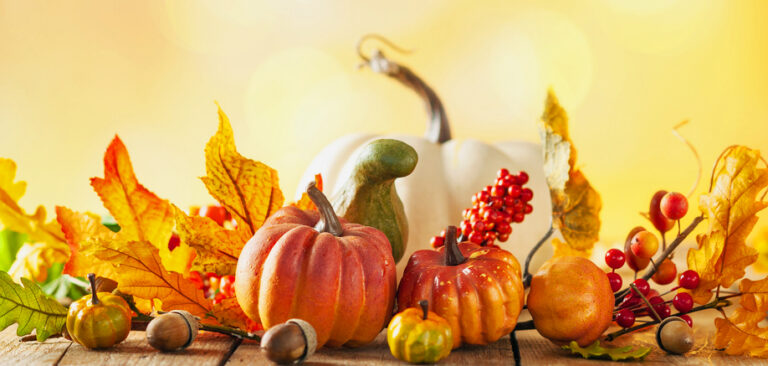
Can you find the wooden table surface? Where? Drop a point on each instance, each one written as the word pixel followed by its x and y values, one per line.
pixel 215 349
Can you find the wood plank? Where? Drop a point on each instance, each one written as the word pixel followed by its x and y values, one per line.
pixel 535 350
pixel 208 349
pixel 30 353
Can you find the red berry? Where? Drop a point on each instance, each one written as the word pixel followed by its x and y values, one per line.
pixel 497 202
pixel 491 215
pixel 522 177
pixel 683 302
pixel 663 310
pixel 503 228
pixel 689 279
pixel 226 285
pixel 490 237
pixel 503 183
pixel 483 196
pixel 518 217
pixel 467 213
pixel 527 209
pixel 661 222
pixel 217 213
pixel 504 237
pixel 674 205
pixel 497 191
pixel 503 172
pixel 625 318
pixel 437 241
pixel 615 281
pixel 476 238
pixel 614 258
pixel 518 205
pixel 526 195
pixel 479 226
pixel 665 273
pixel 687 319
pixel 514 191
pixel 642 286
pixel 510 180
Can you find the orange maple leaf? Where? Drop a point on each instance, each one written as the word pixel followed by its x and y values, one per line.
pixel 228 312
pixel 82 230
pixel 142 215
pixel 305 203
pixel 731 207
pixel 248 189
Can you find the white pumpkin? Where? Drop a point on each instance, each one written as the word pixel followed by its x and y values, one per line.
pixel 448 173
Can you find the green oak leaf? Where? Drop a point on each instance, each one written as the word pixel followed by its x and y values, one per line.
pixel 594 350
pixel 27 305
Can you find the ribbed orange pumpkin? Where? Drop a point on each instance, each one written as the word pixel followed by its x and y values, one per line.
pixel 338 276
pixel 478 290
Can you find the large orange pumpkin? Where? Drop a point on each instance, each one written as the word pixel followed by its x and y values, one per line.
pixel 478 290
pixel 338 276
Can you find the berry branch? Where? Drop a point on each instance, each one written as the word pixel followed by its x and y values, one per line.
pixel 527 276
pixel 664 255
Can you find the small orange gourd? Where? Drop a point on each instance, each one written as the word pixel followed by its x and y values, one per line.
pixel 99 320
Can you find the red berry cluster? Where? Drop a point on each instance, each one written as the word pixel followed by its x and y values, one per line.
pixel 493 211
pixel 632 305
pixel 214 286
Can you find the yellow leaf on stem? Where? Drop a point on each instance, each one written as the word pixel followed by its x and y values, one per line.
pixel 575 203
pixel 731 207
pixel 248 189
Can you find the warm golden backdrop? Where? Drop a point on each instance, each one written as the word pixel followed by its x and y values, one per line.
pixel 72 74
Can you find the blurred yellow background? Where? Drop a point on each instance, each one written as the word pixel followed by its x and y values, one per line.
pixel 72 74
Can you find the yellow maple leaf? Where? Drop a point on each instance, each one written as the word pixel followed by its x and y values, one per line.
pixel 140 272
pixel 740 334
pixel 46 244
pixel 142 215
pixel 575 203
pixel 228 312
pixel 305 203
pixel 217 248
pixel 731 207
pixel 248 189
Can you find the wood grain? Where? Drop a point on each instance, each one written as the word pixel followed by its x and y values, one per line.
pixel 208 349
pixel 13 352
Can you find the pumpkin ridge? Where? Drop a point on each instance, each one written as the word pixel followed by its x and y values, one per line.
pixel 475 316
pixel 301 280
pixel 492 326
pixel 339 285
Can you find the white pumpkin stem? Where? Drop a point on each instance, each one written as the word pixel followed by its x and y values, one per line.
pixel 438 129
pixel 329 221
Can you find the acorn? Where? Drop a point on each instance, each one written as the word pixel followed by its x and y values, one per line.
pixel 674 335
pixel 172 331
pixel 290 342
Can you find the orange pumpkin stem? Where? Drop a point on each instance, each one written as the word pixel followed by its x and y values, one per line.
pixel 453 256
pixel 92 280
pixel 329 221
pixel 424 308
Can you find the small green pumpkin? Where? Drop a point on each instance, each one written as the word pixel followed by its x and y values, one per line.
pixel 368 196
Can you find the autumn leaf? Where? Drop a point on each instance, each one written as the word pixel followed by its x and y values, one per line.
pixel 575 203
pixel 754 295
pixel 248 189
pixel 217 247
pixel 27 305
pixel 142 215
pixel 305 203
pixel 140 272
pixel 46 244
pixel 83 230
pixel 740 334
pixel 731 207
pixel 228 312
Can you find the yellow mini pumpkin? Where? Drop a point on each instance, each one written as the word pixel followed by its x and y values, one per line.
pixel 417 335
pixel 99 320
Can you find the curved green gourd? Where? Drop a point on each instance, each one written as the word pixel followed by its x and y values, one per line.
pixel 368 196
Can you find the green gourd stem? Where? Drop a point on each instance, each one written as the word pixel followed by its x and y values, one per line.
pixel 92 280
pixel 368 196
pixel 329 222
pixel 453 256
pixel 424 308
pixel 438 129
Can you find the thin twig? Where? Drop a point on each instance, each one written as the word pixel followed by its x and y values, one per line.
pixel 695 154
pixel 515 348
pixel 715 304
pixel 527 277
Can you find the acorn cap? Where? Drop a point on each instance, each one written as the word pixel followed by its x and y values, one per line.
pixel 310 338
pixel 192 322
